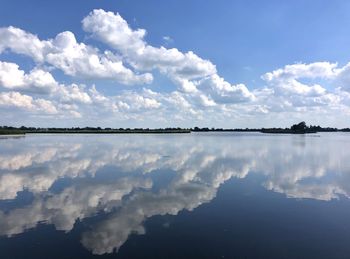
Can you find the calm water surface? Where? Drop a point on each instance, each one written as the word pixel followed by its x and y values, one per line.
pixel 199 195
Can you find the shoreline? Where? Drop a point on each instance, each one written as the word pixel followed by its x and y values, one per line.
pixel 299 129
pixel 158 132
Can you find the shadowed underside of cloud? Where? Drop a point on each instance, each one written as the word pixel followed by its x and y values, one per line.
pixel 198 92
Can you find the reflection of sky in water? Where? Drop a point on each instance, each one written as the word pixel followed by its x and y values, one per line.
pixel 62 180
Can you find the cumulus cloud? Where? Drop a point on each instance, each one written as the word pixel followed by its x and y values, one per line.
pixel 26 102
pixel 39 82
pixel 73 58
pixel 300 70
pixel 224 92
pixel 79 59
pixel 12 77
pixel 112 29
pixel 304 91
pixel 73 93
pixel 22 42
pixel 285 80
pixel 184 69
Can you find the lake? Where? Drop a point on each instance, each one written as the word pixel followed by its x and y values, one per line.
pixel 198 195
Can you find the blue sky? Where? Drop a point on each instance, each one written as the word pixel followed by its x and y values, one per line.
pixel 307 41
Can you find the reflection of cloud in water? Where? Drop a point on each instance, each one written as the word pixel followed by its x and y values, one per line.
pixel 79 201
pixel 317 169
pixel 113 232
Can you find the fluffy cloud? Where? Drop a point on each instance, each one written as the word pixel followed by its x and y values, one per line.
pixel 11 77
pixel 37 82
pixel 112 29
pixel 73 93
pixel 22 42
pixel 305 91
pixel 285 80
pixel 184 69
pixel 73 58
pixel 79 59
pixel 296 71
pixel 223 92
pixel 26 102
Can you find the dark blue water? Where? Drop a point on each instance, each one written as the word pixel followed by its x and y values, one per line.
pixel 209 195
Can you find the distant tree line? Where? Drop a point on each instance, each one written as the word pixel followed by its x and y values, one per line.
pixel 299 128
pixel 95 130
pixel 196 129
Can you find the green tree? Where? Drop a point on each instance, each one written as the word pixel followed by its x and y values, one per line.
pixel 301 126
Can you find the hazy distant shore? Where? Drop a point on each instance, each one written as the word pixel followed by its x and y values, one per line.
pixel 300 128
pixel 70 131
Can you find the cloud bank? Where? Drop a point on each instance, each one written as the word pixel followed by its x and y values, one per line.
pixel 122 58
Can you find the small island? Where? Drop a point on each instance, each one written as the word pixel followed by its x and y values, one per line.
pixel 300 128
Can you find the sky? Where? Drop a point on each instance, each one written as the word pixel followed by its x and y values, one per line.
pixel 128 63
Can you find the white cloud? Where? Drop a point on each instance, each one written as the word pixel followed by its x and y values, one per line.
pixel 73 58
pixel 78 59
pixel 112 29
pixel 12 77
pixel 22 42
pixel 296 71
pixel 142 102
pixel 73 93
pixel 223 92
pixel 184 69
pixel 305 90
pixel 343 77
pixel 26 102
pixel 286 80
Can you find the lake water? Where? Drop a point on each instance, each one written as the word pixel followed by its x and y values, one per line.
pixel 198 195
